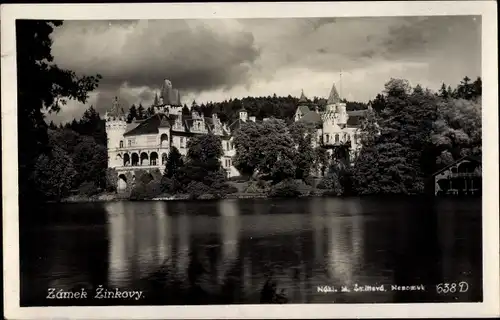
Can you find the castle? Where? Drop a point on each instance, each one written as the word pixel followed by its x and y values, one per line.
pixel 145 144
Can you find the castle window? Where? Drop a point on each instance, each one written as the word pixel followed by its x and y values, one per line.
pixel 121 143
pixel 182 142
pixel 337 138
pixel 327 138
pixel 129 142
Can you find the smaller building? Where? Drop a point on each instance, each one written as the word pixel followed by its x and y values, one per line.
pixel 462 177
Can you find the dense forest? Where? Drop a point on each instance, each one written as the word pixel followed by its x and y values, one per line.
pixel 410 133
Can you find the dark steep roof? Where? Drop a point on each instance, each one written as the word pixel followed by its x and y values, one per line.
pixel 161 120
pixel 334 96
pixel 354 121
pixel 311 117
pixel 470 158
pixel 357 113
pixel 150 125
pixel 116 110
pixel 302 98
pixel 236 125
pixel 304 109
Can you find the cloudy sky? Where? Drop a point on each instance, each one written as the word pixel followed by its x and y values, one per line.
pixel 213 60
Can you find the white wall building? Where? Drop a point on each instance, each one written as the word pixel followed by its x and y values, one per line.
pixel 335 126
pixel 145 144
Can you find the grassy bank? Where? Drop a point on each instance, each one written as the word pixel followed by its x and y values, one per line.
pixel 255 189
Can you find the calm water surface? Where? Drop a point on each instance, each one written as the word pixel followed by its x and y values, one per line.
pixel 224 251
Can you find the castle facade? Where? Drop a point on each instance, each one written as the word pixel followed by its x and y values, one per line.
pixel 145 144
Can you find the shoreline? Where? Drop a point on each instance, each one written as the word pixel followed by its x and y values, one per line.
pixel 238 196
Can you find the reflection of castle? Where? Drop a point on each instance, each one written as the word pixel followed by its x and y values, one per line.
pixel 463 177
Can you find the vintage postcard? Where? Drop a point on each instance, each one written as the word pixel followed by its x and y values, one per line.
pixel 250 160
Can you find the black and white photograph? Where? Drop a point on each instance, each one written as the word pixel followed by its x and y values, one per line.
pixel 311 158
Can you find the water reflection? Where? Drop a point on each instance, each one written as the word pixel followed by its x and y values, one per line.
pixel 119 268
pixel 225 251
pixel 164 235
pixel 229 231
pixel 183 235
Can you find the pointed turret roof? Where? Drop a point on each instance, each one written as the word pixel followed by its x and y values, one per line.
pixel 116 110
pixel 302 98
pixel 334 97
pixel 156 101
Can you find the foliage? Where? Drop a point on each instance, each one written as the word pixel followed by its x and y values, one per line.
pixel 53 174
pixel 246 142
pixel 457 131
pixel 111 179
pixel 331 182
pixel 145 191
pixel 303 134
pixel 174 162
pixel 285 189
pixel 90 160
pixel 414 133
pixel 42 87
pixel 156 174
pixel 321 160
pixel 142 176
pixel 258 186
pixel 267 148
pixel 88 188
pixel 196 189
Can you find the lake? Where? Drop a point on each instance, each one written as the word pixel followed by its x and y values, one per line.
pixel 213 252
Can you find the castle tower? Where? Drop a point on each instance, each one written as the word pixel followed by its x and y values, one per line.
pixel 116 125
pixel 243 114
pixel 167 93
pixel 302 99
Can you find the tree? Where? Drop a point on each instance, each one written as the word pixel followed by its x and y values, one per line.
pixel 185 110
pixel 269 149
pixel 477 88
pixel 457 130
pixel 202 161
pixel 398 153
pixel 141 113
pixel 303 135
pixel 132 114
pixel 443 92
pixel 150 112
pixel 378 103
pixel 174 162
pixel 90 161
pixel 465 89
pixel 91 124
pixel 246 142
pixel 53 174
pixel 52 125
pixel 42 87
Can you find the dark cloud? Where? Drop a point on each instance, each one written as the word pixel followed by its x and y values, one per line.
pixel 418 35
pixel 194 55
pixel 218 59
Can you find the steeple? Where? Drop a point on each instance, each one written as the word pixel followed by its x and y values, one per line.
pixel 302 98
pixel 334 97
pixel 179 98
pixel 116 111
pixel 156 101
